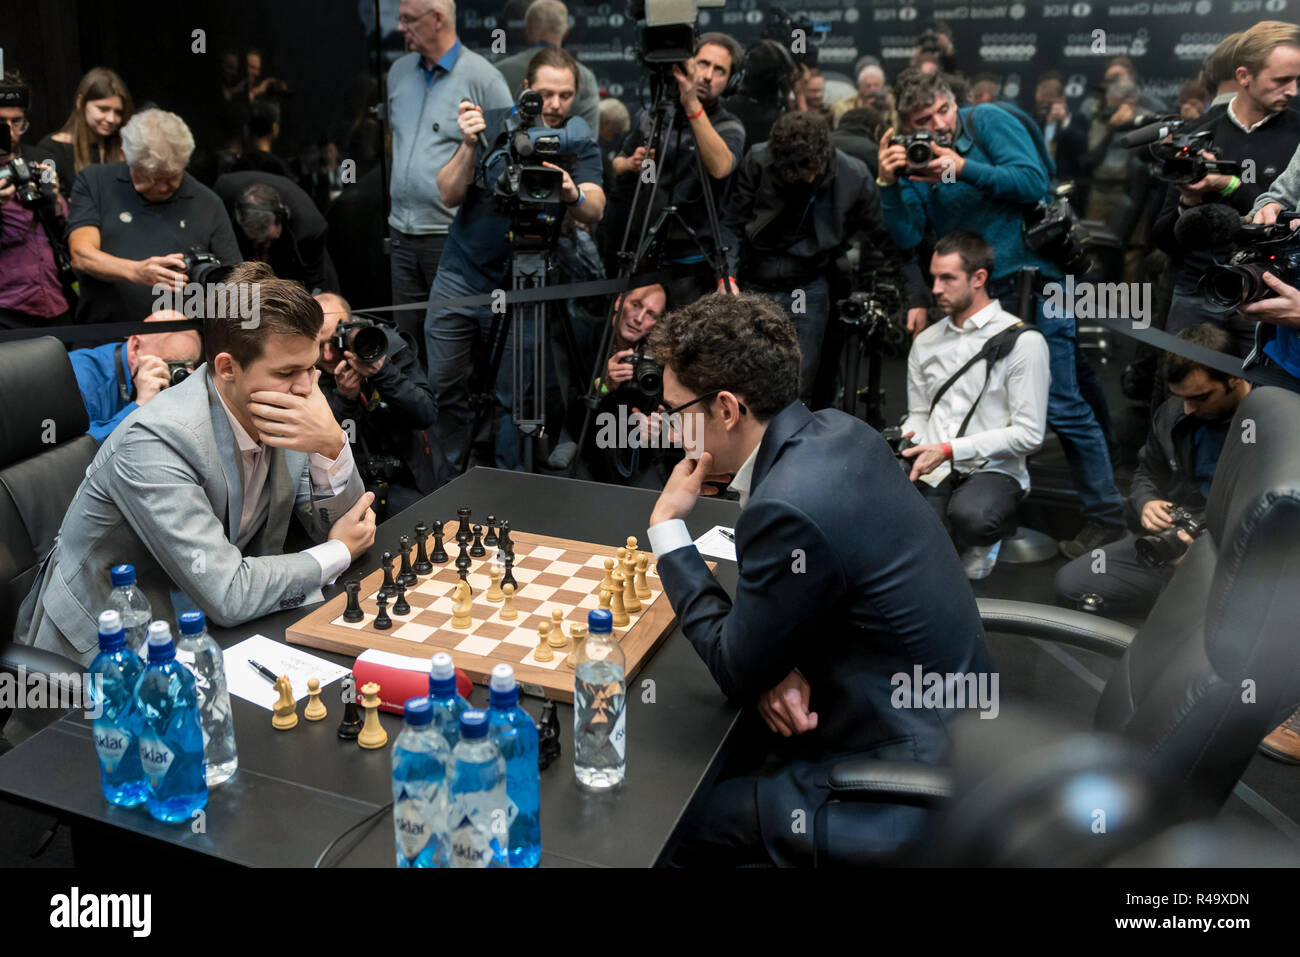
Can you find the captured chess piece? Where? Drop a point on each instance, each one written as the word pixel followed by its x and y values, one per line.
pixel 477 550
pixel 401 606
pixel 494 592
pixel 285 712
pixel 372 733
pixel 406 576
pixel 422 564
pixel 490 539
pixel 350 726
pixel 545 643
pixel 460 613
pixel 439 555
pixel 382 622
pixel 315 710
pixel 548 736
pixel 389 588
pixel 508 612
pixel 353 612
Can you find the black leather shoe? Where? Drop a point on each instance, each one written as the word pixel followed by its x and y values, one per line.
pixel 1092 535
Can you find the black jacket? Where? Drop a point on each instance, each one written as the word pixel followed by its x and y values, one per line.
pixel 848 575
pixel 845 202
pixel 1165 464
pixel 300 251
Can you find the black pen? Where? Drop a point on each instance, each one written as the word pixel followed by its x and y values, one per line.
pixel 264 671
pixel 728 535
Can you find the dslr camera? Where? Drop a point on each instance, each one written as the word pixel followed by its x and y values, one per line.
pixel 364 338
pixel 894 436
pixel 920 147
pixel 876 311
pixel 203 267
pixel 1160 548
pixel 1052 228
pixel 1274 249
pixel 178 371
pixel 647 375
pixel 32 190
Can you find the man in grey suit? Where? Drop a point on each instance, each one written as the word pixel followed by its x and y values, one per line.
pixel 196 488
pixel 545 25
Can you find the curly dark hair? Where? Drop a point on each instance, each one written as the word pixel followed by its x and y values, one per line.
pixel 914 90
pixel 744 344
pixel 800 143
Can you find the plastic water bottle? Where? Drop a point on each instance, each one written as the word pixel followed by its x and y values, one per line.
pixel 448 705
pixel 515 734
pixel 171 737
pixel 420 783
pixel 129 602
pixel 479 820
pixel 116 669
pixel 200 652
pixel 599 706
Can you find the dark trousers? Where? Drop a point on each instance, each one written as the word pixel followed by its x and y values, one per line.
pixel 1125 585
pixel 977 509
pixel 413 265
pixel 809 307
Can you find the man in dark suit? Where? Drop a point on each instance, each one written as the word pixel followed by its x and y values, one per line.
pixel 848 583
pixel 277 223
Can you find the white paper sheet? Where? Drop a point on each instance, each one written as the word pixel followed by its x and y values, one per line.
pixel 716 544
pixel 246 682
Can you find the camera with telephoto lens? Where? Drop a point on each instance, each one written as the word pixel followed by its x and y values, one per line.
pixel 877 311
pixel 1160 548
pixel 1052 229
pixel 920 147
pixel 1178 159
pixel 647 375
pixel 364 338
pixel 33 190
pixel 178 371
pixel 1240 280
pixel 203 267
pixel 929 41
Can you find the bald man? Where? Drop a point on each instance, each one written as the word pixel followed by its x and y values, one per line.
pixel 117 378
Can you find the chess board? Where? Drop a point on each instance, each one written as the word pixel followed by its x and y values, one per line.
pixel 551 572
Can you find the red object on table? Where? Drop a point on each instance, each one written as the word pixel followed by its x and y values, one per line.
pixel 399 677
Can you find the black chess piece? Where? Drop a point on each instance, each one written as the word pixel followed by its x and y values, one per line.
pixel 477 549
pixel 382 621
pixel 406 576
pixel 422 564
pixel 462 524
pixel 463 561
pixel 504 541
pixel 352 723
pixel 353 612
pixel 439 556
pixel 490 539
pixel 548 736
pixel 389 588
pixel 401 607
pixel 509 577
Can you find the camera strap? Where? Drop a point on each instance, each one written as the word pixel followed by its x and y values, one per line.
pixel 992 352
pixel 119 370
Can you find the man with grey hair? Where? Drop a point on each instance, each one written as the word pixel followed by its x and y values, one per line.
pixel 545 25
pixel 425 89
pixel 277 223
pixel 131 224
pixel 871 81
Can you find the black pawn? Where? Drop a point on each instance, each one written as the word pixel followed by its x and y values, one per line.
pixel 509 577
pixel 382 621
pixel 490 539
pixel 400 607
pixel 389 588
pixel 439 555
pixel 504 541
pixel 477 549
pixel 351 724
pixel 353 612
pixel 422 564
pixel 406 577
pixel 548 736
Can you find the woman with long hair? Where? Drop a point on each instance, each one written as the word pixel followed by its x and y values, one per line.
pixel 91 133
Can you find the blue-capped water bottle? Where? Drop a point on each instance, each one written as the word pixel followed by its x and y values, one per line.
pixel 171 737
pixel 199 652
pixel 448 705
pixel 515 734
pixel 599 706
pixel 114 674
pixel 129 602
pixel 479 820
pixel 420 785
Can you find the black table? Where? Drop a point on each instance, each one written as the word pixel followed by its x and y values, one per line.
pixel 296 791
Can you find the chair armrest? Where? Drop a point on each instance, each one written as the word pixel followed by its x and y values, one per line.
pixel 1064 626
pixel 38 661
pixel 890 782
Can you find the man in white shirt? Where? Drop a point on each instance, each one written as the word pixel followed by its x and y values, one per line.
pixel 196 488
pixel 969 447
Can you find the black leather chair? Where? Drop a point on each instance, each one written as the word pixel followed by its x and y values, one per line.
pixel 44 451
pixel 1215 666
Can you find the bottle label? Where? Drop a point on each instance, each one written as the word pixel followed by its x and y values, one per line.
pixel 414 825
pixel 618 737
pixel 471 846
pixel 112 745
pixel 156 759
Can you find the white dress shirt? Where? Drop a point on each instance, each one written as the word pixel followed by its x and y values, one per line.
pixel 328 477
pixel 673 534
pixel 1010 419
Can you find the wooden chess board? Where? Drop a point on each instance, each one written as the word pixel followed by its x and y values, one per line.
pixel 551 572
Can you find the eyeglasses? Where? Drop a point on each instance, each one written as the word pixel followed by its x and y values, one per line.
pixel 405 21
pixel 707 395
pixel 19 126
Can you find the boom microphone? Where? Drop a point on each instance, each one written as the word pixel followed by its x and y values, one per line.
pixel 1151 133
pixel 1207 226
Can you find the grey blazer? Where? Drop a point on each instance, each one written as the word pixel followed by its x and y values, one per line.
pixel 165 494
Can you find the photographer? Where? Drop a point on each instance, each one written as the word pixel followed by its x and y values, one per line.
pixel 701 124
pixel 983 183
pixel 1256 125
pixel 132 224
pixel 277 223
pixel 388 402
pixel 477 256
pixel 31 290
pixel 117 378
pixel 766 84
pixel 971 424
pixel 1066 135
pixel 795 204
pixel 1175 469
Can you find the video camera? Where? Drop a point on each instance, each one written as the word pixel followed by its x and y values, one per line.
pixel 514 168
pixel 668 32
pixel 647 374
pixel 1052 229
pixel 1274 249
pixel 920 147
pixel 781 27
pixel 1176 156
pixel 877 310
pixel 1161 548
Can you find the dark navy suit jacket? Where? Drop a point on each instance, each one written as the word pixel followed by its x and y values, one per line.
pixel 847 574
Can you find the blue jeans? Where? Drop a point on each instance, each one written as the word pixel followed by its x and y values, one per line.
pixel 809 326
pixel 457 339
pixel 1073 421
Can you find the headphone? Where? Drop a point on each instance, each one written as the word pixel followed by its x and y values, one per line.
pixel 280 211
pixel 788 66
